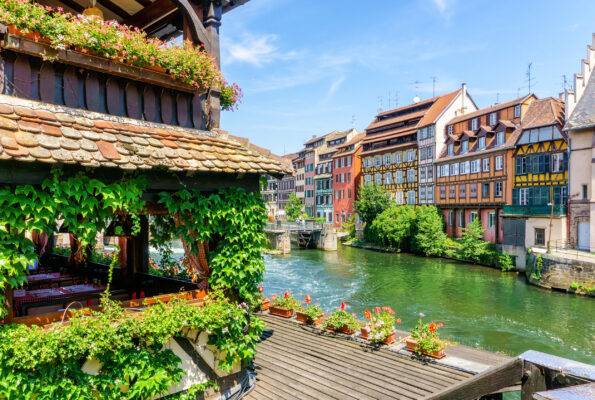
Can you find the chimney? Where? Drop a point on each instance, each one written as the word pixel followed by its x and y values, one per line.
pixel 463 94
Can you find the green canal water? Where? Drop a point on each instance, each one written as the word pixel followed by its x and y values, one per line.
pixel 479 306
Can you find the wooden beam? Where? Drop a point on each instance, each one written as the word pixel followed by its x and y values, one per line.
pixel 149 14
pixel 533 381
pixel 73 5
pixel 116 9
pixel 484 383
pixel 144 3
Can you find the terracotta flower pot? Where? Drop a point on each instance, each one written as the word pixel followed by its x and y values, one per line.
pixel 389 339
pixel 344 329
pixel 281 311
pixel 13 30
pixel 364 332
pixel 303 317
pixel 265 304
pixel 412 344
pixel 157 68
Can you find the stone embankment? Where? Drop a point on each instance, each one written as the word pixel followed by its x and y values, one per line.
pixel 572 272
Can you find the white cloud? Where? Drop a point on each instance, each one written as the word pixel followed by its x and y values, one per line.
pixel 441 4
pixel 253 49
pixel 335 86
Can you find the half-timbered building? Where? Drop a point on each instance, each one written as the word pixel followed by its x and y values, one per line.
pixel 475 170
pixel 537 213
pixel 390 149
pixel 346 178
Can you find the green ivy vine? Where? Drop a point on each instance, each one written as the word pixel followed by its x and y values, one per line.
pixel 85 204
pixel 234 220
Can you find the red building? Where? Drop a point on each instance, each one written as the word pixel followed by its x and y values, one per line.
pixel 346 178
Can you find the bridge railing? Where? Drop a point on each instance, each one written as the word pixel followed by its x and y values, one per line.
pixel 293 226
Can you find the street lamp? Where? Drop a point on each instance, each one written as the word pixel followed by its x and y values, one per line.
pixel 549 237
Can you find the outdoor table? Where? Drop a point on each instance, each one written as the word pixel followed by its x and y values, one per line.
pixel 39 279
pixel 24 299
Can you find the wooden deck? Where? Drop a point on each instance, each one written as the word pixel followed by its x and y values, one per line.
pixel 295 361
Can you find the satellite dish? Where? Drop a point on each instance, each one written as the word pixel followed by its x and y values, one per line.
pixel 416 99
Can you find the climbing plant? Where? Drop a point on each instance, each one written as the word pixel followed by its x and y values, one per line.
pixel 85 204
pixel 234 220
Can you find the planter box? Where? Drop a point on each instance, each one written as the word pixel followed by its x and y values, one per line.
pixel 281 312
pixel 344 329
pixel 303 317
pixel 364 332
pixel 265 305
pixel 389 339
pixel 412 343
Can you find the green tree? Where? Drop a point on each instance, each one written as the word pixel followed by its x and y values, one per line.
pixel 372 200
pixel 395 227
pixel 349 226
pixel 293 208
pixel 430 238
pixel 473 247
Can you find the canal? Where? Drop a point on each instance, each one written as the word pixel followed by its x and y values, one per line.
pixel 479 306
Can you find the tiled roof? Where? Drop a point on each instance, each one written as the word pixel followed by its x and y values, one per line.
pixel 490 147
pixel 395 120
pixel 488 110
pixel 543 112
pixel 439 105
pixel 33 131
pixel 389 148
pixel 391 134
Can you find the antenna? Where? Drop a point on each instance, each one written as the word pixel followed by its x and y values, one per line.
pixel 379 104
pixel 497 97
pixel 433 86
pixel 564 83
pixel 396 98
pixel 529 78
pixel 353 120
pixel 416 98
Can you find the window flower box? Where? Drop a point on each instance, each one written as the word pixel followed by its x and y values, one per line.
pixel 343 329
pixel 281 311
pixel 303 317
pixel 411 345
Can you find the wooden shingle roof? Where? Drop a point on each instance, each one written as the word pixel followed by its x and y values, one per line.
pixel 33 131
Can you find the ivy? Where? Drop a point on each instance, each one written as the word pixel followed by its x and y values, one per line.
pixel 233 219
pixel 85 204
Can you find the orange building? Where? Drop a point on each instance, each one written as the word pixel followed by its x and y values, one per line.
pixel 346 178
pixel 475 171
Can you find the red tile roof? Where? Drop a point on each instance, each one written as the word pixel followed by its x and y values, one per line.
pixel 33 131
pixel 488 110
pixel 543 112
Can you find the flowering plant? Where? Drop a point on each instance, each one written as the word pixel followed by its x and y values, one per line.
pixel 285 301
pixel 427 337
pixel 341 318
pixel 187 63
pixel 313 311
pixel 382 323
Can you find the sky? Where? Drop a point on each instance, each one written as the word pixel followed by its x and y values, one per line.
pixel 308 67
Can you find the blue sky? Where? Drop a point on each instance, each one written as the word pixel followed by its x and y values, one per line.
pixel 308 67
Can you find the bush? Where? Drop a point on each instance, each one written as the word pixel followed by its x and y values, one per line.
pixel 293 208
pixel 349 226
pixel 372 200
pixel 395 227
pixel 473 247
pixel 430 238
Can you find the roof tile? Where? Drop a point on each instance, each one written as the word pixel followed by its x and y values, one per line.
pixel 71 133
pixel 49 142
pixel 69 144
pixel 61 155
pixel 25 112
pixel 107 150
pixel 88 145
pixel 83 121
pixel 26 139
pixel 7 123
pixel 40 152
pixel 20 151
pixel 6 109
pixel 51 130
pixel 90 135
pixel 108 137
pixel 8 143
pixel 65 118
pixel 29 126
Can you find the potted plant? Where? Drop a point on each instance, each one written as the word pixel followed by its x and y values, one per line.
pixel 283 306
pixel 260 302
pixel 425 339
pixel 342 321
pixel 310 314
pixel 381 328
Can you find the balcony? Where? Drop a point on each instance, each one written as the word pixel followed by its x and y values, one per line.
pixel 559 210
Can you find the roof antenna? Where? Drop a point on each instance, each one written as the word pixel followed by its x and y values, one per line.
pixel 564 83
pixel 433 86
pixel 497 97
pixel 396 98
pixel 379 104
pixel 529 78
pixel 416 98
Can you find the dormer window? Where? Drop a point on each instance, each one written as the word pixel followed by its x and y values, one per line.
pixel 450 129
pixel 517 111
pixel 464 146
pixel 451 149
pixel 482 143
pixel 500 138
pixel 493 118
pixel 474 124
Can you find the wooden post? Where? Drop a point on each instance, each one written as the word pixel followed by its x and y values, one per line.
pixel 139 254
pixel 533 381
pixel 212 24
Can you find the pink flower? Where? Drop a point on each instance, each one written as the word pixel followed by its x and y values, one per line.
pixel 423 335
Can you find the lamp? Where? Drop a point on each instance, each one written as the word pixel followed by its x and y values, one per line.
pixel 93 11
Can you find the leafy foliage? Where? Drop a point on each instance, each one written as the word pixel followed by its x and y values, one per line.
pixel 473 247
pixel 372 200
pixel 46 363
pixel 382 323
pixel 427 337
pixel 430 238
pixel 349 226
pixel 286 301
pixel 234 219
pixel 293 208
pixel 341 318
pixel 396 226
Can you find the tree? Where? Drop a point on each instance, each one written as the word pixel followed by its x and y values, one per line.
pixel 395 227
pixel 473 247
pixel 293 208
pixel 430 238
pixel 372 200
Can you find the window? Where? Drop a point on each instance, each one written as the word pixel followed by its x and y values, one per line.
pixel 336 163
pixel 443 192
pixel 498 189
pixel 410 175
pixel 585 192
pixel 452 192
pixel 474 166
pixel 493 118
pixel 500 138
pixel 337 178
pixel 462 191
pixel 422 173
pixel 517 111
pixel 387 159
pixel 377 161
pixel 524 196
pixel 398 157
pixel 473 190
pixel 349 177
pixel 540 163
pixel 430 174
pixel 349 161
pixel 422 193
pixel 498 163
pixel 422 133
pixel 491 220
pixel 342 162
pixel 388 178
pixel 558 162
pixel 450 129
pixel 378 179
pixel 482 143
pixel 474 124
pixel 450 217
pixel 367 179
pixel 411 197
pixel 399 177
pixel 464 146
pixel 539 236
pixel 444 170
pixel 431 131
pixel 485 189
pixel 472 216
pixel 485 165
pixel 465 167
pixel 399 197
pixel 451 149
pixel 410 155
pixel 430 193
pixel 461 219
pixel 348 193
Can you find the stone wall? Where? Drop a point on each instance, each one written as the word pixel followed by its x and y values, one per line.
pixel 577 212
pixel 560 273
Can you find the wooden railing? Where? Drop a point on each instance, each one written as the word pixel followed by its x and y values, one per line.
pixel 96 83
